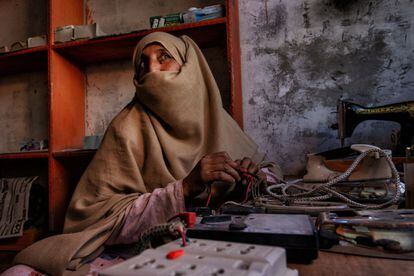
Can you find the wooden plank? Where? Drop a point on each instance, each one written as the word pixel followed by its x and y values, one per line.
pixel 204 33
pixel 25 155
pixel 67 128
pixel 60 194
pixel 63 13
pixel 233 59
pixel 74 153
pixel 66 108
pixel 67 104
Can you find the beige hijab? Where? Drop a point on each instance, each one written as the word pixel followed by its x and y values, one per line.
pixel 174 120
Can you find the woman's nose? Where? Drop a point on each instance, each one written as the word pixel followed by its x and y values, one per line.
pixel 154 66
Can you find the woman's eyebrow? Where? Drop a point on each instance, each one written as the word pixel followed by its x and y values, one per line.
pixel 162 50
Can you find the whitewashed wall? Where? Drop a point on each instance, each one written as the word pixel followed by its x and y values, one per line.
pixel 300 57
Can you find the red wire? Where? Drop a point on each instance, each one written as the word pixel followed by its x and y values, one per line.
pixel 247 192
pixel 208 199
pixel 182 236
pixel 249 177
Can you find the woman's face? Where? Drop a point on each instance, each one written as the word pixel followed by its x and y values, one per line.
pixel 155 58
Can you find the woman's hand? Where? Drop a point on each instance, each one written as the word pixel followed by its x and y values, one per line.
pixel 248 166
pixel 212 167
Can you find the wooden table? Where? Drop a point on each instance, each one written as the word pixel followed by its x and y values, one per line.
pixel 335 264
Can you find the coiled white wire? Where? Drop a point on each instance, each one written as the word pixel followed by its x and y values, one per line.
pixel 325 191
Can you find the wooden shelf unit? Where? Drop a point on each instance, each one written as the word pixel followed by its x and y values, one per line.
pixel 116 47
pixel 65 65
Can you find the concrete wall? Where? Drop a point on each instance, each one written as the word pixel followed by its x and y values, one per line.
pixel 300 57
pixel 106 96
pixel 23 97
pixel 23 109
pixel 21 19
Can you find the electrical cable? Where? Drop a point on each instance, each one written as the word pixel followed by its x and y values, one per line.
pixel 325 191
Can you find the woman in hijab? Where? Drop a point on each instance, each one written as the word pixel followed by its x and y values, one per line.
pixel 160 152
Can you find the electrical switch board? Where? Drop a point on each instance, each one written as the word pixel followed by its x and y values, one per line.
pixel 205 257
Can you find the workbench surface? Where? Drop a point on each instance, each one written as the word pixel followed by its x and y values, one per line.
pixel 336 264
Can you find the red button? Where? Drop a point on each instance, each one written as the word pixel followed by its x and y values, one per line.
pixel 175 254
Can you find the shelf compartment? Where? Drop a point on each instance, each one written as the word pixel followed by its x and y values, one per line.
pixel 25 155
pixel 23 111
pixel 68 167
pixel 24 60
pixel 204 33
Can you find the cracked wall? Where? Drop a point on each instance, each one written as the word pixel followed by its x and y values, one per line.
pixel 300 57
pixel 24 109
pixel 22 19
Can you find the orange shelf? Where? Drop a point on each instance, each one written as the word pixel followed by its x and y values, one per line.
pixel 24 60
pixel 204 33
pixel 25 155
pixel 74 153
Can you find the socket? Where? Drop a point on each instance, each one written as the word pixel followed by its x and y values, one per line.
pixel 206 257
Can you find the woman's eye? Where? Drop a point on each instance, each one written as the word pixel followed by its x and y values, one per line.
pixel 164 57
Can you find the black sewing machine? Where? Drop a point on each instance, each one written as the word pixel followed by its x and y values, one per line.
pixel 351 114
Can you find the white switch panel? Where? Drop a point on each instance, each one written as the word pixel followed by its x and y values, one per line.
pixel 206 257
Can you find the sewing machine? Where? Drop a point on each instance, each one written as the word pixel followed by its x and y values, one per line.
pixel 351 114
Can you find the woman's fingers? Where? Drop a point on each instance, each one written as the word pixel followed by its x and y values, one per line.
pixel 219 166
pixel 222 176
pixel 213 167
pixel 221 157
pixel 225 167
pixel 253 168
pixel 232 172
pixel 247 165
